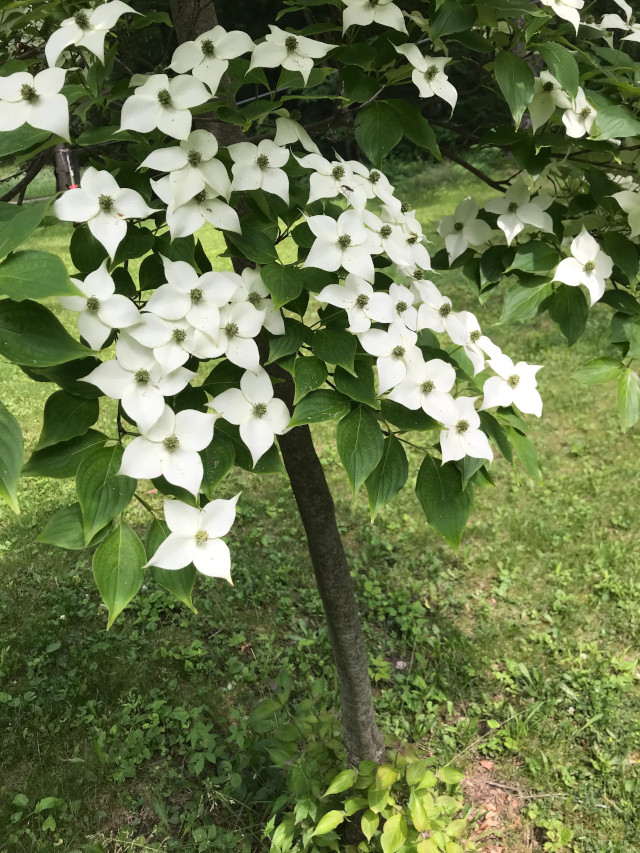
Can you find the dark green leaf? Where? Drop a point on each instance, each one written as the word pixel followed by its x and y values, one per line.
pixel 257 241
pixel 317 406
pixel 406 419
pixel 35 275
pixel 452 16
pixel 388 477
pixel 523 303
pixel 223 376
pixel 117 569
pixel 515 79
pixel 17 222
pixel 309 373
pixel 65 530
pixel 562 65
pixel 623 252
pixel 217 460
pixel 31 335
pixel 62 460
pixel 526 453
pixel 21 139
pixel 496 431
pixel 535 256
pixel 414 125
pixel 377 131
pixel 102 492
pixel 568 308
pixel 284 283
pixel 87 253
pixel 66 416
pixel 11 452
pixel 269 463
pixel 360 444
pixel 335 346
pixel 446 504
pixel 360 387
pixel 289 343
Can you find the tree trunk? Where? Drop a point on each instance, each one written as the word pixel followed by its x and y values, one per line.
pixel 65 164
pixel 362 738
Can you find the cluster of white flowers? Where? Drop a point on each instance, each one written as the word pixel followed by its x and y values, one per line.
pixel 579 114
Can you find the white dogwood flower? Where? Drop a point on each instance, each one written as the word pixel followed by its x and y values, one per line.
pixel 252 289
pixel 240 322
pixel 569 10
pixel 393 349
pixel 170 448
pixel 288 132
pixel 434 308
pixel 205 206
pixel 515 384
pixel 343 243
pixel 426 386
pixel 589 265
pixel 365 12
pixel 428 74
pixel 86 28
pixel 547 95
pixel 516 209
pixel 101 308
pixel 35 100
pixel 580 117
pixel 136 378
pixel 464 330
pixel 463 229
pixel 372 181
pixel 103 205
pixel 362 304
pixel 192 167
pixel 170 341
pixel 259 167
pixel 255 410
pixel 291 51
pixel 328 178
pixel 195 538
pixel 163 103
pixel 463 436
pixel 207 56
pixel 392 237
pixel 629 201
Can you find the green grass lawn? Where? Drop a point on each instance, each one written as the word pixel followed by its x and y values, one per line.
pixel 521 649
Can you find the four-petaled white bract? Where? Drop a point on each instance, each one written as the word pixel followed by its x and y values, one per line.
pixel 580 117
pixel 104 206
pixel 293 52
pixel 164 103
pixel 516 210
pixel 514 384
pixel 101 309
pixel 364 12
pixel 426 386
pixel 259 166
pixel 87 28
pixel 344 243
pixel 35 100
pixel 196 538
pixel 589 265
pixel 567 9
pixel 207 57
pixel 463 436
pixel 363 306
pixel 463 229
pixel 253 408
pixel 428 74
pixel 548 94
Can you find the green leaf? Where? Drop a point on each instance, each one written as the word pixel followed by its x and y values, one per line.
pixel 217 461
pixel 624 254
pixel 526 453
pixel 369 824
pixel 414 125
pixel 322 405
pixel 117 569
pixel 309 373
pixel 452 17
pixel 523 303
pixel 360 445
pixel 377 131
pixel 335 346
pixel 568 308
pixel 269 463
pixel 284 283
pixel 394 834
pixel 87 253
pixel 62 460
pixel 388 477
pixel 65 530
pixel 360 387
pixel 21 139
pixel 35 275
pixel 66 416
pixel 289 343
pixel 445 503
pixel 179 582
pixel 535 256
pixel 628 398
pixel 11 454
pixel 328 822
pixel 48 803
pixel 598 370
pixel 341 782
pixel 615 121
pixel 515 79
pixel 562 65
pixel 450 776
pixel 257 241
pixel 496 431
pixel 406 419
pixel 17 222
pixel 31 335
pixel 102 492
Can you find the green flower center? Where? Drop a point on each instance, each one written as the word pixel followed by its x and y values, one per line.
pixel 196 295
pixel 81 20
pixel 291 43
pixel 373 3
pixel 589 266
pixel 512 207
pixel 475 336
pixel 412 240
pixel 445 309
pixel 462 426
pixel 344 241
pixel 28 93
pixel 513 381
pixel 201 537
pixel 548 86
pixel 142 376
pixel 105 203
pixel 200 197
pixel 178 336
pixel 207 48
pixel 405 207
pixel 418 274
pixel 398 352
pixel 254 298
pixel 260 410
pixel 386 231
pixel 585 112
pixel 194 158
pixel 431 72
pixel 93 303
pixel 401 307
pixel 374 176
pixel 427 387
pixel 171 443
pixel 231 330
pixel 458 226
pixel 262 161
pixel 164 97
pixel 362 301
pixel 338 172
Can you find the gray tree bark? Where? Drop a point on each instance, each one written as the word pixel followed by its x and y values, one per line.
pixel 362 737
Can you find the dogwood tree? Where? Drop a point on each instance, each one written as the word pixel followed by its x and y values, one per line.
pixel 334 307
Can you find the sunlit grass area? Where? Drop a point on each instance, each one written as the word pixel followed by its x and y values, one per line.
pixel 521 649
